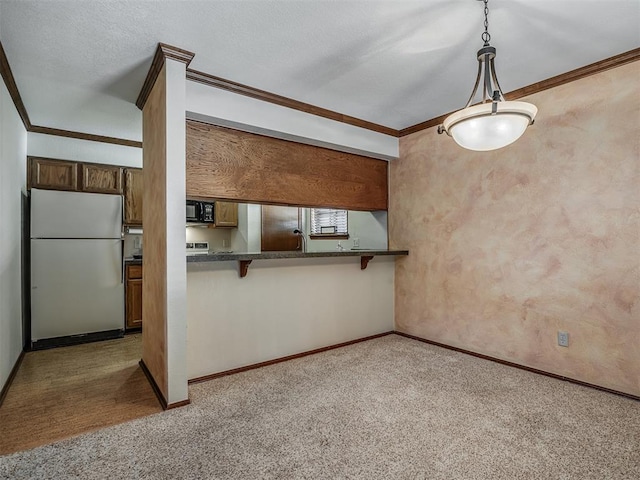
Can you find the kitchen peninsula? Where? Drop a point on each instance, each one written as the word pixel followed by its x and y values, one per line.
pixel 290 302
pixel 284 306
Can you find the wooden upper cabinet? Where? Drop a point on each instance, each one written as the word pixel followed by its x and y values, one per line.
pixel 226 214
pixel 50 174
pixel 53 174
pixel 100 178
pixel 133 196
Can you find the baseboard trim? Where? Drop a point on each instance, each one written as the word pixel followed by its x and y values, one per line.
pixel 70 340
pixel 154 385
pixel 521 367
pixel 14 371
pixel 233 371
pixel 158 392
pixel 178 404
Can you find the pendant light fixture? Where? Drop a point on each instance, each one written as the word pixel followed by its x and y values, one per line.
pixel 494 123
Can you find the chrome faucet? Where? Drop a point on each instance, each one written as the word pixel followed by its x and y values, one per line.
pixel 304 239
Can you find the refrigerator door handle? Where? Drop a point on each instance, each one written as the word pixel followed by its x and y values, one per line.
pixel 122 277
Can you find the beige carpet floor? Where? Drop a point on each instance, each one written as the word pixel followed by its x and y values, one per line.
pixel 389 408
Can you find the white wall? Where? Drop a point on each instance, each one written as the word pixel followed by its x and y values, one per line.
pixel 176 235
pixel 51 146
pixel 280 308
pixel 13 151
pixel 214 102
pixel 247 237
pixel 219 238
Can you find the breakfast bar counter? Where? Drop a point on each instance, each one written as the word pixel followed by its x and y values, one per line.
pixel 226 256
pixel 244 259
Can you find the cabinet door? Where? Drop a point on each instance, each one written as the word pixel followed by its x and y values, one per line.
pixel 100 178
pixel 134 297
pixel 50 174
pixel 226 214
pixel 133 196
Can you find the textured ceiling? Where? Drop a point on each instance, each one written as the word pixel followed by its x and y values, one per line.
pixel 79 65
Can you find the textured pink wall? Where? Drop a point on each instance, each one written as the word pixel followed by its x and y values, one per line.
pixel 508 247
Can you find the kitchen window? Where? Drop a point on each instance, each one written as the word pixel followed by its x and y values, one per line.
pixel 329 223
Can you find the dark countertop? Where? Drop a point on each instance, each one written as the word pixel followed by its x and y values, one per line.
pixel 132 261
pixel 224 257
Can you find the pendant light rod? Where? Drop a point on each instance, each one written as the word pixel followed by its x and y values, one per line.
pixel 493 122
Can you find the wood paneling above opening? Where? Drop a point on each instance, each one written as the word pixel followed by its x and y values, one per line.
pixel 233 165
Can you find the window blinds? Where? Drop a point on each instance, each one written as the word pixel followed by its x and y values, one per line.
pixel 322 219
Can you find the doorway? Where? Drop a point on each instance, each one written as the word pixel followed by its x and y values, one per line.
pixel 278 224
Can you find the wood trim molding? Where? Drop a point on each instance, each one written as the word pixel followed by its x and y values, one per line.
pixel 577 74
pixel 167 51
pixel 517 365
pixel 213 376
pixel 84 136
pixel 163 51
pixel 568 77
pixel 156 390
pixel 178 404
pixel 241 89
pixel 10 82
pixel 12 375
pixel 154 385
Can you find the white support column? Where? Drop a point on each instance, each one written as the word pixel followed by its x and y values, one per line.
pixel 176 307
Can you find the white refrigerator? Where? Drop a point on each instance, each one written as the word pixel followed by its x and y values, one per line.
pixel 77 284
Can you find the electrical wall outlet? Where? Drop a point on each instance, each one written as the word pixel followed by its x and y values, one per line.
pixel 356 242
pixel 563 338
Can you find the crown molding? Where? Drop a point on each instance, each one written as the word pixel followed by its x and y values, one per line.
pixel 84 136
pixel 163 51
pixel 10 83
pixel 577 74
pixel 568 77
pixel 246 90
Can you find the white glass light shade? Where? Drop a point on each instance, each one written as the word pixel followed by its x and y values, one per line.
pixel 475 128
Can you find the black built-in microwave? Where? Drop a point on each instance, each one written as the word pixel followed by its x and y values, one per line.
pixel 200 212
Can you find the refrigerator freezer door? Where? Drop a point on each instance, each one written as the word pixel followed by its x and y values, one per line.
pixel 76 287
pixel 56 214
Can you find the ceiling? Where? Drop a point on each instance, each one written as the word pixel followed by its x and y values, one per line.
pixel 79 65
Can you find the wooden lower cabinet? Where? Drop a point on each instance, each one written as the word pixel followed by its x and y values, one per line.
pixel 133 311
